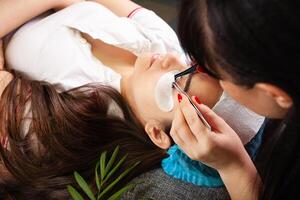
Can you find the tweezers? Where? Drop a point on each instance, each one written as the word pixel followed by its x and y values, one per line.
pixel 178 88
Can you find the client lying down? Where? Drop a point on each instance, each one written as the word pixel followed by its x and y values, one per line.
pixel 133 60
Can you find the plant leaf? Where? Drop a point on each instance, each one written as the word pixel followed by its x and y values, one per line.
pixel 74 193
pixel 84 186
pixel 112 159
pixel 115 168
pixel 121 191
pixel 102 164
pixel 109 187
pixel 97 176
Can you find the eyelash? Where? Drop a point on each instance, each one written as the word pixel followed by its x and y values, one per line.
pixel 188 83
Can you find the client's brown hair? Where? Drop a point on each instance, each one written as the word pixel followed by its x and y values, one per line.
pixel 67 131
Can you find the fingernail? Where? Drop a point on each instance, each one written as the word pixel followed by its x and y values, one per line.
pixel 179 97
pixel 198 100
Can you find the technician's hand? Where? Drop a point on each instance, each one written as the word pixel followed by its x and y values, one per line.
pixel 220 148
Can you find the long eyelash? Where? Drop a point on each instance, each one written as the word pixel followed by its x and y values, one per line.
pixel 188 83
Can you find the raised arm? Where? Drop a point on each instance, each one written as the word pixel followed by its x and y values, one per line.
pixel 24 10
pixel 5 77
pixel 121 8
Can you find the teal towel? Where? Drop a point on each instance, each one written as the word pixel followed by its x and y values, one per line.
pixel 182 167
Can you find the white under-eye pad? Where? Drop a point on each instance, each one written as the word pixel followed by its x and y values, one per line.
pixel 164 91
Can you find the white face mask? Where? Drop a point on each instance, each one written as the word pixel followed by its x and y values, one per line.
pixel 242 120
pixel 164 91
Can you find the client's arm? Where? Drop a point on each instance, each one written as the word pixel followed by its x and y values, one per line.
pixel 1 56
pixel 24 10
pixel 121 8
pixel 5 77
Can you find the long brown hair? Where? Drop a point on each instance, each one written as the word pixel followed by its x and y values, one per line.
pixel 67 132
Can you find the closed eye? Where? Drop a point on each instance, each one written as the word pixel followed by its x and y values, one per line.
pixel 187 83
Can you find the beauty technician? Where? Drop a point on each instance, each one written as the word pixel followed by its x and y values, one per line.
pixel 253 48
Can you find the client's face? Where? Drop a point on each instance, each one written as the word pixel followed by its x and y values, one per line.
pixel 154 99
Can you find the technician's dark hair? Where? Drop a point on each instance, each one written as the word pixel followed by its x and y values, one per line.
pixel 254 41
pixel 53 133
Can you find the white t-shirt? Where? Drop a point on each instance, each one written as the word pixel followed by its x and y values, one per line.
pixel 50 47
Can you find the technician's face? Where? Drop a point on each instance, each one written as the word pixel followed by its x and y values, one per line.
pixel 257 99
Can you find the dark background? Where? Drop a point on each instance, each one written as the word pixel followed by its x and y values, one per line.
pixel 166 9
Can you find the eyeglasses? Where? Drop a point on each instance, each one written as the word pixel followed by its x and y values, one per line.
pixel 180 90
pixel 194 68
pixel 197 68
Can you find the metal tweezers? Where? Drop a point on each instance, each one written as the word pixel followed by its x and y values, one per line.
pixel 178 88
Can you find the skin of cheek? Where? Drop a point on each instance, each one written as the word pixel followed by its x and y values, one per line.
pixel 207 89
pixel 143 83
pixel 143 94
pixel 254 98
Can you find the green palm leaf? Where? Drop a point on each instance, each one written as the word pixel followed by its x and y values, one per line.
pixel 121 191
pixel 115 168
pixel 97 176
pixel 84 186
pixel 74 193
pixel 102 164
pixel 103 172
pixel 112 159
pixel 109 187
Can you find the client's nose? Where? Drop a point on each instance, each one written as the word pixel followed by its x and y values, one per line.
pixel 172 62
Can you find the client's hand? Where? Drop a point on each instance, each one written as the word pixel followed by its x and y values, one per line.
pixel 220 148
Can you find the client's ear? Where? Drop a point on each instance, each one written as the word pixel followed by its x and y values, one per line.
pixel 155 132
pixel 280 96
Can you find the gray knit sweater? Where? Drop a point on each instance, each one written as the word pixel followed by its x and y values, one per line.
pixel 160 186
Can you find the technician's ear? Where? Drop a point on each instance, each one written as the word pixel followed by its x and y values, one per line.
pixel 280 96
pixel 157 135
